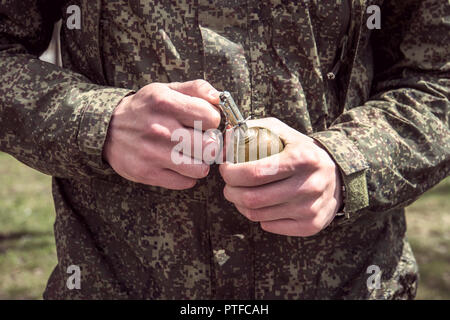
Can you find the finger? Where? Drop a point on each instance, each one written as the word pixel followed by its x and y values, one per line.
pixel 304 209
pixel 301 187
pixel 203 146
pixel 255 173
pixel 289 227
pixel 189 110
pixel 277 212
pixel 174 181
pixel 269 194
pixel 287 134
pixel 188 167
pixel 197 88
pixel 197 144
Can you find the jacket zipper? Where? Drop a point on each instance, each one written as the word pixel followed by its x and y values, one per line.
pixel 343 48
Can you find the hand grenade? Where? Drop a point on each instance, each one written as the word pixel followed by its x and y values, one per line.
pixel 250 143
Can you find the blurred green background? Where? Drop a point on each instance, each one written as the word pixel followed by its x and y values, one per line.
pixel 27 248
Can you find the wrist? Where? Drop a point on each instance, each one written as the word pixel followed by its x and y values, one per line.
pixel 340 189
pixel 119 109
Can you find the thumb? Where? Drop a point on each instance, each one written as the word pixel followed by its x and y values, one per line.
pixel 287 134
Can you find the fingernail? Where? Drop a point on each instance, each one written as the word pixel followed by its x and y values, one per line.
pixel 214 95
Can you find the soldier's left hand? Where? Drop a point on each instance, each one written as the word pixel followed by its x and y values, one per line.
pixel 300 199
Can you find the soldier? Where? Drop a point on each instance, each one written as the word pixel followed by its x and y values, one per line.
pixel 364 115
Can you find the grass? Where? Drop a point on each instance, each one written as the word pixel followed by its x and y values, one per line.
pixel 429 233
pixel 28 255
pixel 27 246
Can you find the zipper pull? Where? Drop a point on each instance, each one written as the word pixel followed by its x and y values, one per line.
pixel 343 46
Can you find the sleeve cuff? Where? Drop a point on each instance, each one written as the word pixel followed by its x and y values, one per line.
pixel 96 115
pixel 353 167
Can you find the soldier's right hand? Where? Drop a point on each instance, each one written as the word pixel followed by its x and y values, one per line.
pixel 138 145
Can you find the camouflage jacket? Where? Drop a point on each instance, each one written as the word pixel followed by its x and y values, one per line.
pixel 384 118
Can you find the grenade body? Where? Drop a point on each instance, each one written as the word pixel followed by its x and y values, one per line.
pixel 248 143
pixel 254 144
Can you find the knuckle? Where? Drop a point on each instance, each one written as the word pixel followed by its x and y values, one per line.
pixel 250 200
pixel 159 131
pixel 251 214
pixel 316 185
pixel 147 90
pixel 160 102
pixel 293 160
pixel 151 90
pixel 199 83
pixel 316 225
pixel 175 85
pixel 309 213
pixel 314 159
pixel 314 210
pixel 309 210
pixel 157 102
pixel 310 229
pixel 316 188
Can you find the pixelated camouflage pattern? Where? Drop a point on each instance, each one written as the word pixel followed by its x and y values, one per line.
pixel 384 120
